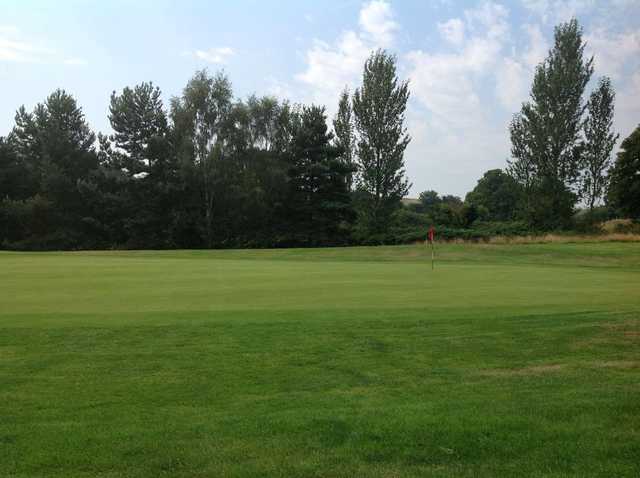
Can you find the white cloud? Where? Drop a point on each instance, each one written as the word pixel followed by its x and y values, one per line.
pixel 377 23
pixel 515 73
pixel 512 82
pixel 624 3
pixel 75 62
pixel 491 17
pixel 617 55
pixel 627 116
pixel 214 55
pixel 538 46
pixel 278 88
pixel 454 139
pixel 452 31
pixel 14 47
pixel 22 51
pixel 554 11
pixel 332 66
pixel 8 30
pixel 445 83
pixel 612 51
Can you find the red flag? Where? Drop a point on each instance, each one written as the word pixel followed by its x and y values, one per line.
pixel 432 233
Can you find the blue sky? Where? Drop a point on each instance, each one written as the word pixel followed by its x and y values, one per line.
pixel 469 63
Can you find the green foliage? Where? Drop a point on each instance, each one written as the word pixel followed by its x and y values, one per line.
pixel 319 204
pixel 28 222
pixel 499 194
pixel 345 136
pixel 139 121
pixel 139 155
pixel 590 220
pixel 624 190
pixel 545 135
pixel 447 210
pixel 406 231
pixel 17 181
pixel 202 118
pixel 379 110
pixel 53 148
pixel 429 200
pixel 599 142
pixel 55 136
pixel 452 219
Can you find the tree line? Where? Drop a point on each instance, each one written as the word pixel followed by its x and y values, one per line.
pixel 211 170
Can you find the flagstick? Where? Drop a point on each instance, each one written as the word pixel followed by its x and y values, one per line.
pixel 432 254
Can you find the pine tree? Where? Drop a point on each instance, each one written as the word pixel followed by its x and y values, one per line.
pixel 56 145
pixel 319 203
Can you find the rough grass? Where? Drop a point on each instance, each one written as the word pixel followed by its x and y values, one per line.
pixel 546 239
pixel 566 239
pixel 614 225
pixel 506 360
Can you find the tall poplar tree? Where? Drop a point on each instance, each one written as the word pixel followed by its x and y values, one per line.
pixel 599 142
pixel 379 107
pixel 546 134
pixel 345 138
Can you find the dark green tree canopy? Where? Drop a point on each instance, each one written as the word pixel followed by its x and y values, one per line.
pixel 624 190
pixel 429 199
pixel 498 193
pixel 16 180
pixel 53 149
pixel 320 199
pixel 56 132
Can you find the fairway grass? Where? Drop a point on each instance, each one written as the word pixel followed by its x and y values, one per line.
pixel 506 360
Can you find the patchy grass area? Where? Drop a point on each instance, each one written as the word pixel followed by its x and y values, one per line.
pixel 507 360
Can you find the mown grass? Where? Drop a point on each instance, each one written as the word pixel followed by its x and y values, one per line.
pixel 506 360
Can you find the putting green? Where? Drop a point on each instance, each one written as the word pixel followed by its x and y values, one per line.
pixel 503 361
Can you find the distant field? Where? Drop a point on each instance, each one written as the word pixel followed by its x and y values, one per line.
pixel 506 360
